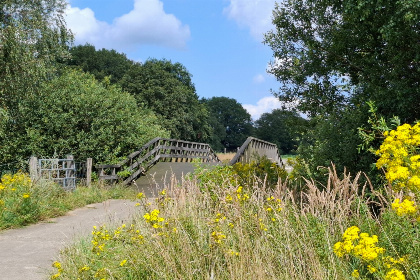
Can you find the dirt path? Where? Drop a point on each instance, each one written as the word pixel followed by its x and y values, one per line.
pixel 27 253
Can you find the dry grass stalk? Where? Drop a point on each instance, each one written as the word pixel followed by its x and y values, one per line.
pixel 335 200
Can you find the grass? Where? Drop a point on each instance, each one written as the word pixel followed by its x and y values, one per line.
pixel 202 231
pixel 23 203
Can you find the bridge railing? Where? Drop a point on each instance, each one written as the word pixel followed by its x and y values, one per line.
pixel 253 148
pixel 158 149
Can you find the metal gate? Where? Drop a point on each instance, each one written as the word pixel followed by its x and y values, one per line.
pixel 61 171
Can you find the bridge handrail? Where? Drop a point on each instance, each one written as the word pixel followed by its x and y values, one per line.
pixel 158 149
pixel 245 153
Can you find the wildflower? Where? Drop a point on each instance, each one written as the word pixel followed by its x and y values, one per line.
pixel 218 236
pixel 123 262
pixel 262 226
pixel 154 219
pixel 406 207
pixel 57 265
pixel 233 253
pixel 371 269
pixel 228 197
pixel 140 195
pixel 355 273
pixel 55 276
pixel 394 274
pixel 163 192
pixel 85 268
pixel 26 195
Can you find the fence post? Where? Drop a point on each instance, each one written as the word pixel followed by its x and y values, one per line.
pixel 88 171
pixel 33 168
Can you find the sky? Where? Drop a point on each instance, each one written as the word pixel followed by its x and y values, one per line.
pixel 218 41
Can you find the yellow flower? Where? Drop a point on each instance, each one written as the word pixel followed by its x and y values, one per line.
pixel 394 274
pixel 85 268
pixel 355 273
pixel 371 269
pixel 140 195
pixel 123 262
pixel 406 207
pixel 55 276
pixel 26 195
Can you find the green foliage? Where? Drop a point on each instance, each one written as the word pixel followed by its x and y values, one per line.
pixel 259 173
pixel 332 51
pixel 166 88
pixel 101 63
pixel 332 57
pixel 75 114
pixel 281 127
pixel 214 230
pixel 33 36
pixel 231 123
pixel 23 202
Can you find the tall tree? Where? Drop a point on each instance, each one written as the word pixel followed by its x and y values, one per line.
pixel 281 127
pixel 101 63
pixel 231 122
pixel 76 114
pixel 333 56
pixel 33 36
pixel 167 89
pixel 329 53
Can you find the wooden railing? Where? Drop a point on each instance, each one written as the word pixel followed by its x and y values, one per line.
pixel 253 148
pixel 158 149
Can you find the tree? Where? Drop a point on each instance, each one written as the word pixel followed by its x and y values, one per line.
pixel 33 36
pixel 166 88
pixel 332 53
pixel 281 127
pixel 75 114
pixel 101 63
pixel 332 57
pixel 231 122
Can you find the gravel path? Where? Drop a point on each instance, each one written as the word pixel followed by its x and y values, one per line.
pixel 27 253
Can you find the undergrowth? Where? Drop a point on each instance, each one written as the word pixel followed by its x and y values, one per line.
pixel 201 230
pixel 23 202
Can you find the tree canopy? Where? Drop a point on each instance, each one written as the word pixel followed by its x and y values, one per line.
pixel 281 127
pixel 167 89
pixel 75 114
pixel 231 122
pixel 33 36
pixel 101 63
pixel 332 57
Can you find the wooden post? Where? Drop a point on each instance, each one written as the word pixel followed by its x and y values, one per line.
pixel 88 171
pixel 33 168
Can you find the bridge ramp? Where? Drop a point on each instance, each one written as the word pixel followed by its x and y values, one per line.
pixel 162 175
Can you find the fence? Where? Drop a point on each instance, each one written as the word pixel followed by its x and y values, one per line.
pixel 158 149
pixel 254 148
pixel 66 172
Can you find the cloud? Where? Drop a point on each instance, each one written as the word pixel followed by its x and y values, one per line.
pixel 258 79
pixel 252 14
pixel 146 24
pixel 264 105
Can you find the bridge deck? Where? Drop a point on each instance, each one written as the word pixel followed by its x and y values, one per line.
pixel 161 175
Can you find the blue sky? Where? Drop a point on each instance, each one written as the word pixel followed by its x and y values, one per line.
pixel 218 41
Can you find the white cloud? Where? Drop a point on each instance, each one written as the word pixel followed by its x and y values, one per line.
pixel 252 14
pixel 258 79
pixel 146 24
pixel 264 105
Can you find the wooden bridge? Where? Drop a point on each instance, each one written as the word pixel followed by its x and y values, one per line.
pixel 162 160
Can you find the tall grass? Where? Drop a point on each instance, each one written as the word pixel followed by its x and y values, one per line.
pixel 23 202
pixel 199 231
